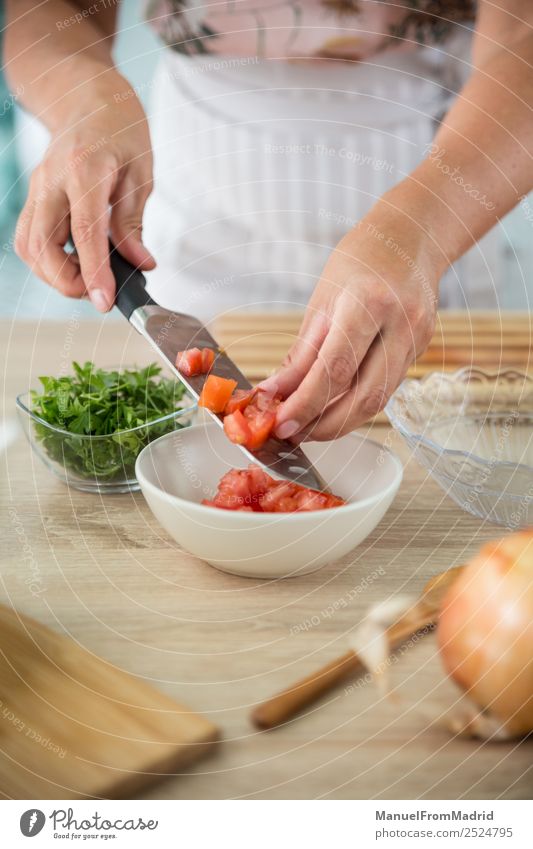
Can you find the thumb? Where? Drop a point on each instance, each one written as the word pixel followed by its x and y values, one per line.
pixel 126 226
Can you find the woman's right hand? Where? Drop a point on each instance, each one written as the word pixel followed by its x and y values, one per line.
pixel 93 183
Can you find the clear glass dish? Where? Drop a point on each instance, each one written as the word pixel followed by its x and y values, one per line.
pixel 473 431
pixel 102 464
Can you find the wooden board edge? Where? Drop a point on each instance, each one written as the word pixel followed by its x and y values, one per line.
pixel 164 768
pixel 130 785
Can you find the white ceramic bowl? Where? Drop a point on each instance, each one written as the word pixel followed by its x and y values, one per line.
pixel 178 470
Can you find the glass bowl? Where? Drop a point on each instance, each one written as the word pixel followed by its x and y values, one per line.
pixel 102 464
pixel 473 431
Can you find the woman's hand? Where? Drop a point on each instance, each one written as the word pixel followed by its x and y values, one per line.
pixel 93 182
pixel 371 313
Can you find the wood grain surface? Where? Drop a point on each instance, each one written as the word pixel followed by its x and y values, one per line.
pixel 259 342
pixel 102 571
pixel 76 727
pixel 422 615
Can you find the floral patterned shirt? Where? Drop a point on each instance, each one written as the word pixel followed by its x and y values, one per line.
pixel 295 29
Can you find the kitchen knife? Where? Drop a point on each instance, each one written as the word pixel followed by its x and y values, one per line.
pixel 170 332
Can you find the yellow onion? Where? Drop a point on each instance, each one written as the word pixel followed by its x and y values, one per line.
pixel 485 632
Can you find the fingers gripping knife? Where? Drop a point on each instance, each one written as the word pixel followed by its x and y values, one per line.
pixel 170 332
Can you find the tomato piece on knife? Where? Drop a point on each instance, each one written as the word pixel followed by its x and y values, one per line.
pixel 265 401
pixel 208 358
pixel 189 362
pixel 256 419
pixel 260 425
pixel 261 415
pixel 194 361
pixel 236 428
pixel 251 428
pixel 239 400
pixel 216 393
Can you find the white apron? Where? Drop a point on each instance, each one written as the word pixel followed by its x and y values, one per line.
pixel 261 167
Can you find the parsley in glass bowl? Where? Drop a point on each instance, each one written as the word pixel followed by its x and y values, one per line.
pixel 88 427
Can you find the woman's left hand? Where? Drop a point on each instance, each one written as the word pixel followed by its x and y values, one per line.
pixel 372 312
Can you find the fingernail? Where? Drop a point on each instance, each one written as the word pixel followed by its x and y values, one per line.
pixel 148 257
pixel 287 429
pixel 271 391
pixel 269 385
pixel 99 299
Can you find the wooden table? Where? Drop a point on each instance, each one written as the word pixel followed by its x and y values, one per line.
pixel 109 577
pixel 483 339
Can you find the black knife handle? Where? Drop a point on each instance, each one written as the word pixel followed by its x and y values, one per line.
pixel 131 292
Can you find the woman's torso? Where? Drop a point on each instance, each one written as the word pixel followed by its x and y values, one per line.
pixel 290 29
pixel 272 137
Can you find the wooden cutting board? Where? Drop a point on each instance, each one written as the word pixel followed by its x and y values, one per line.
pixel 73 726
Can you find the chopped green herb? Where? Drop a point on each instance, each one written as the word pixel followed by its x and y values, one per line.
pixel 106 404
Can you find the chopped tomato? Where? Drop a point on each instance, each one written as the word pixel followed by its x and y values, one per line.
pixel 208 358
pixel 236 428
pixel 189 362
pixel 253 489
pixel 249 414
pixel 265 401
pixel 238 489
pixel 239 400
pixel 255 420
pixel 216 393
pixel 194 361
pixel 258 480
pixel 260 426
pixel 310 499
pixel 280 498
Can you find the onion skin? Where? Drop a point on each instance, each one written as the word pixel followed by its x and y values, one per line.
pixel 485 631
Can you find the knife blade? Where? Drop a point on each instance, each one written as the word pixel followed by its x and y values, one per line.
pixel 170 332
